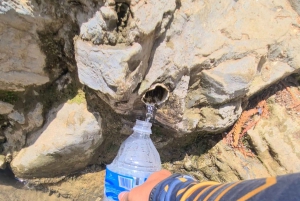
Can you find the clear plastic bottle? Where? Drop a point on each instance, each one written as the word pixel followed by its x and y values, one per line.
pixel 137 158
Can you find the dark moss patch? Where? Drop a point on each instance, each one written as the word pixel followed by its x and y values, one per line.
pixel 56 41
pixel 9 96
pixel 53 49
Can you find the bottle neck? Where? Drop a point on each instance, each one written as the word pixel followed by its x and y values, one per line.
pixel 140 134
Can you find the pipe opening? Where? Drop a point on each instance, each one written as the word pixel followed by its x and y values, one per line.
pixel 156 95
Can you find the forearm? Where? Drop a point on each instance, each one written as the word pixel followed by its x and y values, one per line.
pixel 181 187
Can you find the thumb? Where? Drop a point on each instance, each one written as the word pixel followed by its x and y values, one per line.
pixel 123 196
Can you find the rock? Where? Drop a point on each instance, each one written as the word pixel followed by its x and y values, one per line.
pixel 116 71
pixel 175 106
pixel 18 117
pixel 296 5
pixel 274 142
pixel 2 162
pixel 35 117
pixel 276 138
pixel 244 167
pixel 94 29
pixel 270 73
pixel 64 82
pixel 22 7
pixel 209 119
pixel 26 61
pixel 52 151
pixel 153 13
pixel 41 37
pixel 218 119
pixel 222 56
pixel 106 69
pixel 15 139
pixel 5 108
pixel 228 81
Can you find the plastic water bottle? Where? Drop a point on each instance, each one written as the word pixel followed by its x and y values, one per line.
pixel 137 158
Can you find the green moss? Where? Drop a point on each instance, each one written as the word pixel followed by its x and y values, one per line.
pixel 79 98
pixel 9 96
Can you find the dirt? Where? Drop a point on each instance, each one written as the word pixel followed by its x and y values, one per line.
pixel 13 190
pixel 85 187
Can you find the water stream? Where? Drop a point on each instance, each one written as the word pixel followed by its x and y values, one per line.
pixel 150 111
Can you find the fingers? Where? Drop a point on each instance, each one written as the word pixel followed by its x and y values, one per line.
pixel 142 192
pixel 123 196
pixel 159 176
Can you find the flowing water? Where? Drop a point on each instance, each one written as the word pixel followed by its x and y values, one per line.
pixel 150 111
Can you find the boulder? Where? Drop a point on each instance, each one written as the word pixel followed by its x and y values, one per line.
pixel 5 108
pixel 24 65
pixel 66 143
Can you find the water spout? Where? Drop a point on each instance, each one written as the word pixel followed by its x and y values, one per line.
pixel 156 95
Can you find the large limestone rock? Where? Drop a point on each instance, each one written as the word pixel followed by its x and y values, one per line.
pixel 22 60
pixel 36 40
pixel 211 52
pixel 112 54
pixel 65 144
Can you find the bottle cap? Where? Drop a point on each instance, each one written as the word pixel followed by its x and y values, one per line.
pixel 143 127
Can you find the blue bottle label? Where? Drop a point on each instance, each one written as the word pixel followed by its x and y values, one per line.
pixel 116 183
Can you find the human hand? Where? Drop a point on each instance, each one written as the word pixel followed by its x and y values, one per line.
pixel 142 192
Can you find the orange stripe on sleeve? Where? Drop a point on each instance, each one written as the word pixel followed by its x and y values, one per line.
pixel 212 192
pixel 194 188
pixel 269 182
pixel 201 193
pixel 182 190
pixel 226 190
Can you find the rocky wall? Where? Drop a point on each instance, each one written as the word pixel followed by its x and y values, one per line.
pixel 73 75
